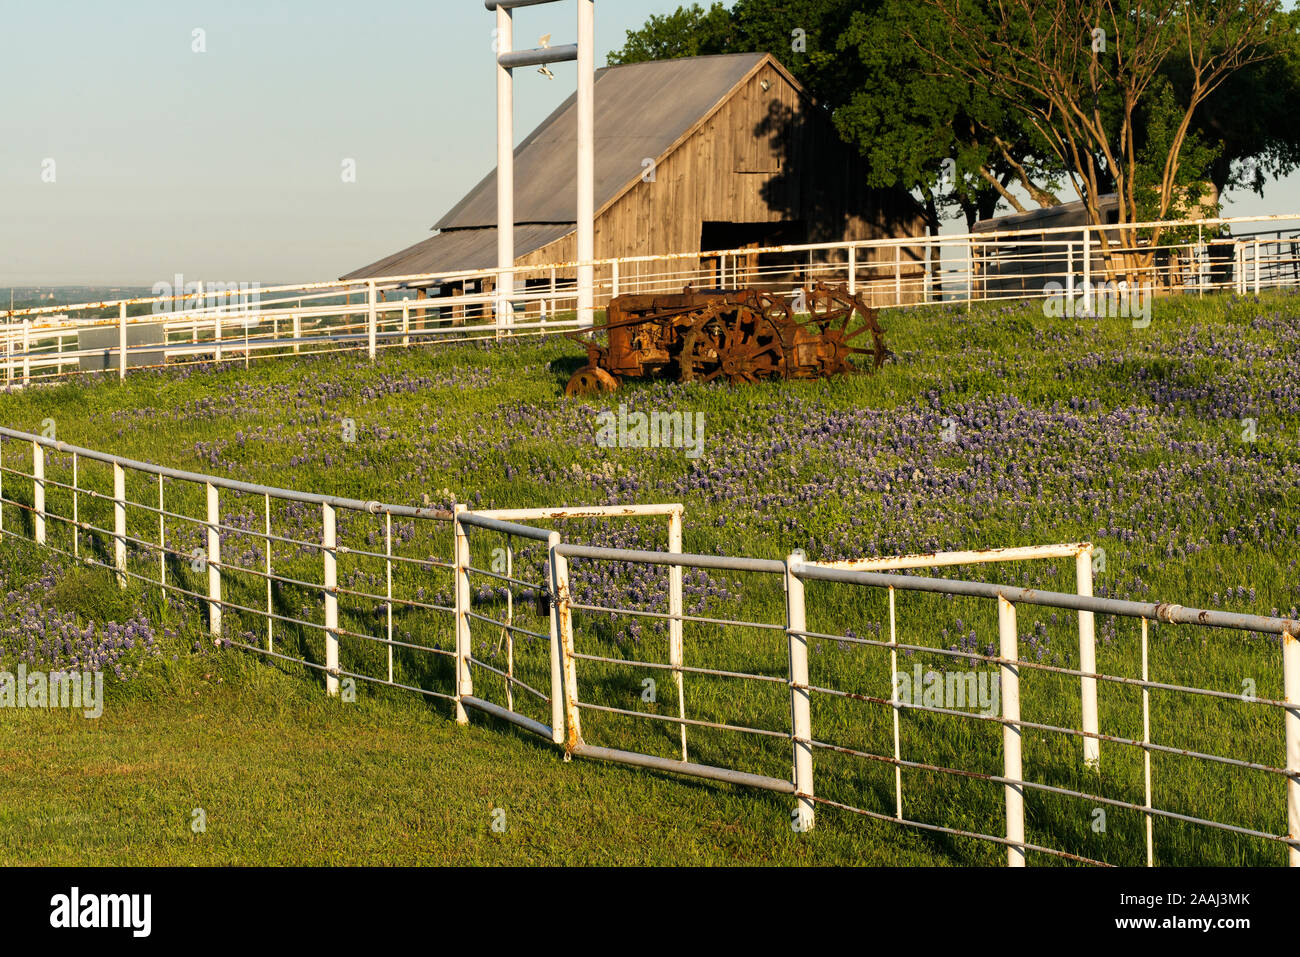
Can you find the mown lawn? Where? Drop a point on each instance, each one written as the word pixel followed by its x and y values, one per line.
pixel 1173 448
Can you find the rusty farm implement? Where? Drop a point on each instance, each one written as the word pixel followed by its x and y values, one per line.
pixel 740 335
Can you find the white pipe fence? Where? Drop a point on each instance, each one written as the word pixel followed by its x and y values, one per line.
pixel 217 322
pixel 541 600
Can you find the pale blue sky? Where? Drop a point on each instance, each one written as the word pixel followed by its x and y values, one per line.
pixel 225 165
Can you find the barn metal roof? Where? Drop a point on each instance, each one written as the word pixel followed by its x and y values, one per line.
pixel 1064 214
pixel 459 250
pixel 641 110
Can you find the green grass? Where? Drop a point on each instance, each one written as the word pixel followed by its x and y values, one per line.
pixel 1184 508
pixel 284 776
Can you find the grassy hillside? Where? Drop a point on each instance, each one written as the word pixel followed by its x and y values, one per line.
pixel 994 427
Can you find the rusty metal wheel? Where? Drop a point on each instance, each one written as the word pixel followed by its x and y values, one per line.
pixel 844 321
pixel 591 380
pixel 738 343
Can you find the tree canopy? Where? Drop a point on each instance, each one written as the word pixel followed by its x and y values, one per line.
pixel 972 103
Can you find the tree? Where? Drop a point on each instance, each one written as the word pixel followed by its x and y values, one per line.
pixel 1111 90
pixel 929 130
pixel 970 104
pixel 882 94
pixel 687 31
pixel 1248 120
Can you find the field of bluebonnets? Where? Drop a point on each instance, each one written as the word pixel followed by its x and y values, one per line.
pixel 1172 447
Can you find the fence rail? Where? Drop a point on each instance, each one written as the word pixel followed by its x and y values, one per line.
pixel 1085 269
pixel 346 592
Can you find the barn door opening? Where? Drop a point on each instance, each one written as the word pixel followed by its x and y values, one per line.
pixel 754 269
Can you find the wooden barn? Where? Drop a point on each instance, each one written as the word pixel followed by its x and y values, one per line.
pixel 695 154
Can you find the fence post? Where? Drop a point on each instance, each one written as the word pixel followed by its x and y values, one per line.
pixel 1257 266
pixel 372 320
pixel 76 512
pixel 1069 272
pixel 898 275
pixel 614 280
pixel 1011 758
pixel 214 561
pixel 27 351
pixel 564 621
pixel 853 269
pixel 329 552
pixel 1087 661
pixel 38 491
pixel 270 607
pixel 406 322
pixel 676 647
pixel 1146 752
pixel 800 710
pixel 464 682
pixel 119 523
pixel 507 632
pixel 388 584
pixel 1087 269
pixel 970 273
pixel 1291 682
pixel 927 274
pixel 1239 262
pixel 297 333
pixel 121 341
pixel 894 696
pixel 162 537
pixel 557 661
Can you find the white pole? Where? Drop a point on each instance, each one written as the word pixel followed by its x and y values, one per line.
pixel 1087 269
pixel 214 561
pixel 270 607
pixel 464 682
pixel 676 647
pixel 853 269
pixel 893 695
pixel 162 535
pixel 1011 763
pixel 898 275
pixel 121 341
pixel 119 523
pixel 38 490
pixel 1088 661
pixel 388 580
pixel 800 709
pixel 372 319
pixel 557 658
pixel 564 616
pixel 329 552
pixel 1291 684
pixel 505 168
pixel 586 161
pixel 1146 739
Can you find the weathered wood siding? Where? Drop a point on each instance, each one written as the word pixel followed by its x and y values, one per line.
pixel 762 156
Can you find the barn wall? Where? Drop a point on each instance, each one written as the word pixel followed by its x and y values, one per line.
pixel 764 156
